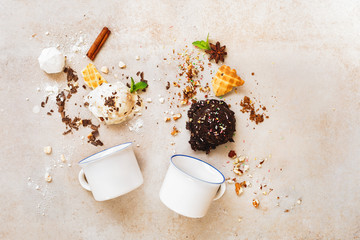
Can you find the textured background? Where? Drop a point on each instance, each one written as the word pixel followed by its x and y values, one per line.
pixel 304 54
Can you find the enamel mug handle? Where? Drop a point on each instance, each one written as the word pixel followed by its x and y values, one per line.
pixel 83 181
pixel 220 192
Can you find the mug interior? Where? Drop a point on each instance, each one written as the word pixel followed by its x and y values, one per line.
pixel 105 152
pixel 197 169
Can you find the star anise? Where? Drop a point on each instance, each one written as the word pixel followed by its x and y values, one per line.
pixel 216 52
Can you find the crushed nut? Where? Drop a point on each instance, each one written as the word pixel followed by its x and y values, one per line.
pixel 175 131
pixel 256 203
pixel 299 201
pixel 167 119
pixel 238 189
pixel 232 154
pixel 237 170
pixel 246 168
pixel 47 149
pixel 184 102
pixel 177 116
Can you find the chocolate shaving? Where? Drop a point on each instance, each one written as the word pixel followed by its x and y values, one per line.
pixel 248 107
pixel 86 122
pixel 67 132
pixel 94 127
pixel 110 101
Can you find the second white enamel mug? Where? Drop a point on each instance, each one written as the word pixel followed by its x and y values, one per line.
pixel 191 185
pixel 111 173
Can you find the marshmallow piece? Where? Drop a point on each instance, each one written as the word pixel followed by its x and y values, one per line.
pixel 51 60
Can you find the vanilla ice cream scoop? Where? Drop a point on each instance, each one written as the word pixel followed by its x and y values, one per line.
pixel 112 103
pixel 51 60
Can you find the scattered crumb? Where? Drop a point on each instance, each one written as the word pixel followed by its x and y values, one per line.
pixel 256 203
pixel 122 65
pixel 62 157
pixel 48 178
pixel 105 69
pixel 238 189
pixel 148 100
pixel 167 119
pixel 175 131
pixel 47 149
pixel 137 58
pixel 177 116
pixel 232 154
pixel 161 100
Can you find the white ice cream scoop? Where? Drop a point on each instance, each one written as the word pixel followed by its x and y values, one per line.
pixel 112 103
pixel 51 60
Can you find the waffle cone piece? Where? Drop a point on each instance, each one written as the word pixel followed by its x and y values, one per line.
pixel 224 80
pixel 92 76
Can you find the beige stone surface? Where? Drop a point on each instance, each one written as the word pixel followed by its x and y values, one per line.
pixel 305 56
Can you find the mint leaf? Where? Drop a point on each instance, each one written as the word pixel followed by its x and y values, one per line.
pixel 132 85
pixel 140 86
pixel 137 86
pixel 202 44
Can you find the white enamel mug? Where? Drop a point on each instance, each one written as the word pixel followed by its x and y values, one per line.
pixel 191 185
pixel 111 173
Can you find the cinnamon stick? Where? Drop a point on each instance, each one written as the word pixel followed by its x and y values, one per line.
pixel 99 42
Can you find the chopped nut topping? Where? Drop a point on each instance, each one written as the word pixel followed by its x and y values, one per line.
pixel 175 131
pixel 167 119
pixel 177 116
pixel 232 154
pixel 238 189
pixel 62 157
pixel 256 203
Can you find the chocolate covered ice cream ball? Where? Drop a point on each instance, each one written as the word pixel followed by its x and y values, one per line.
pixel 211 123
